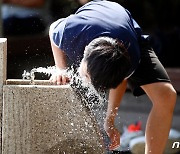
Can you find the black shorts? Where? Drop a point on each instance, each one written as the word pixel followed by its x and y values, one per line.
pixel 150 70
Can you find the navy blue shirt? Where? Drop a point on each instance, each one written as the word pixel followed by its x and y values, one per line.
pixel 95 19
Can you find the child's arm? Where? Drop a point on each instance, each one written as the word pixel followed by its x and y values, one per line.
pixel 115 96
pixel 61 64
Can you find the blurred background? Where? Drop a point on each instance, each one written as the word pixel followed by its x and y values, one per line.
pixel 26 24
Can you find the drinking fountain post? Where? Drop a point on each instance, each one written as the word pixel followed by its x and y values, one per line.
pixel 3 66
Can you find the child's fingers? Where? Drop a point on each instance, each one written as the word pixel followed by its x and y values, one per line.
pixel 58 79
pixel 54 79
pixel 114 136
pixel 65 79
pixel 114 145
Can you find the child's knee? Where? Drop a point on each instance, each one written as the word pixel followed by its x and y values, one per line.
pixel 169 94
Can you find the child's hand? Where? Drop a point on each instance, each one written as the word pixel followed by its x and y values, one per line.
pixel 114 136
pixel 60 78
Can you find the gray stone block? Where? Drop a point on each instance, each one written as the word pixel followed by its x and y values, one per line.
pixel 46 119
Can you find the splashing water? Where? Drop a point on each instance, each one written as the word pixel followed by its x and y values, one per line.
pixel 31 75
pixel 84 89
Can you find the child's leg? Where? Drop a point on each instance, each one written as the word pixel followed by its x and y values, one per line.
pixel 163 97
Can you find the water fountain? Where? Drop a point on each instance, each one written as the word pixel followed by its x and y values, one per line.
pixel 41 118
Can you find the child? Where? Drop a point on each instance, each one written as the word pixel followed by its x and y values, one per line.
pixel 108 44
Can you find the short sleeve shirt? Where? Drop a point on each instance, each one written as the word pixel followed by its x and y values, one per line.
pixel 102 18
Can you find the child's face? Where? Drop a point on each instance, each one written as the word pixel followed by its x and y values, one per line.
pixel 83 71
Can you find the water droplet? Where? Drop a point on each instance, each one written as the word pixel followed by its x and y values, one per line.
pixel 72 124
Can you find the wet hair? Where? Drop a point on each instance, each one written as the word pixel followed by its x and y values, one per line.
pixel 108 62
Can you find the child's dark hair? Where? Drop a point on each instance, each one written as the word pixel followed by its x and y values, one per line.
pixel 107 61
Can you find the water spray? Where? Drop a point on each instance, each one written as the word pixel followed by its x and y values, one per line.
pixel 85 90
